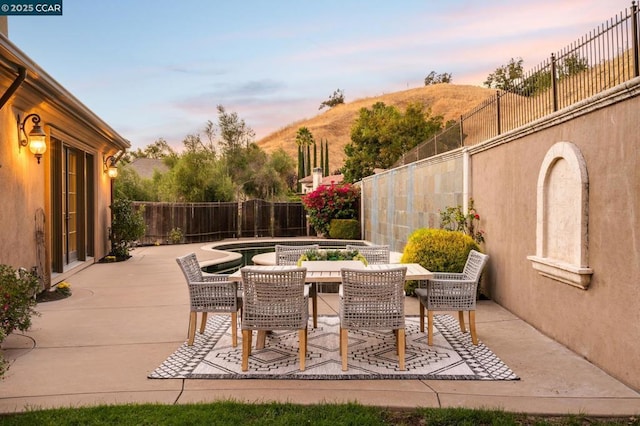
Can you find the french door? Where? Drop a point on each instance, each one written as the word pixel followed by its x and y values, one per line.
pixel 72 205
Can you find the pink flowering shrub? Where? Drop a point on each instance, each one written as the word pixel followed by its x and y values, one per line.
pixel 329 202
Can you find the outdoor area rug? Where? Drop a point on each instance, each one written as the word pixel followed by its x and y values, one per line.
pixel 372 355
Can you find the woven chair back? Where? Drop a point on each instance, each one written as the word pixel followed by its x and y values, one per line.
pixel 274 300
pixel 289 255
pixel 374 254
pixel 372 299
pixel 190 267
pixel 474 265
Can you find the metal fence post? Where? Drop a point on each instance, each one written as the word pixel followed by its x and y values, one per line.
pixel 636 36
pixel 498 111
pixel 554 82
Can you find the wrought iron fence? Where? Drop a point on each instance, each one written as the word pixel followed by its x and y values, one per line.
pixel 601 59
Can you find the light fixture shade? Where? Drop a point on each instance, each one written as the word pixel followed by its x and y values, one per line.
pixel 112 172
pixel 36 139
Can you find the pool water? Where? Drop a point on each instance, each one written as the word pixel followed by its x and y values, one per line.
pixel 250 249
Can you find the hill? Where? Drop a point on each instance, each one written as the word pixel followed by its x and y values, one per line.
pixel 448 100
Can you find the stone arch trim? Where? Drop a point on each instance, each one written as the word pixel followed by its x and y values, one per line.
pixel 562 244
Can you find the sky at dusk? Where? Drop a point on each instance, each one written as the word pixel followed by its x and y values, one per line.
pixel 157 69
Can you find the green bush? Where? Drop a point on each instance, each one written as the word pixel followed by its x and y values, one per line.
pixel 438 250
pixel 348 229
pixel 127 227
pixel 176 235
pixel 17 303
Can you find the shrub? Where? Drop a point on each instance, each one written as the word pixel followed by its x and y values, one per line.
pixel 127 227
pixel 329 202
pixel 17 303
pixel 348 229
pixel 176 235
pixel 438 250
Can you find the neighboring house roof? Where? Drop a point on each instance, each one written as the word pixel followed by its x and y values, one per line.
pixel 145 167
pixel 328 180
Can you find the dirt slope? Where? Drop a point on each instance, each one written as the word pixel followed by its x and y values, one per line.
pixel 334 125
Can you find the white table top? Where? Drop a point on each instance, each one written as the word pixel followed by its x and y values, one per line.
pixel 330 273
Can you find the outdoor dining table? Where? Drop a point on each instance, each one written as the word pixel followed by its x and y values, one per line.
pixel 324 271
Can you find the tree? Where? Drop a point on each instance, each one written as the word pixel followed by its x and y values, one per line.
pixel 573 64
pixel 234 132
pixel 283 164
pixel 382 134
pixel 130 185
pixel 304 139
pixel 159 149
pixel 335 99
pixel 434 78
pixel 506 77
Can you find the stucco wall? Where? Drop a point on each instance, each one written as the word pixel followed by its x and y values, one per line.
pixel 21 194
pixel 601 323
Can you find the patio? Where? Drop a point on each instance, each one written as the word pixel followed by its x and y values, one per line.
pixel 124 319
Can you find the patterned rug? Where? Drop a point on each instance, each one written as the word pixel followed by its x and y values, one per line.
pixel 372 355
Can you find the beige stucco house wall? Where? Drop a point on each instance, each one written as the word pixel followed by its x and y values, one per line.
pixel 583 164
pixel 602 323
pixel 54 215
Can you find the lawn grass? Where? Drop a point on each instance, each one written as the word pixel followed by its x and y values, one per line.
pixel 234 413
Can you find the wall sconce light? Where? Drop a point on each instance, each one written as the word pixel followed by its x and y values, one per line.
pixel 36 140
pixel 110 167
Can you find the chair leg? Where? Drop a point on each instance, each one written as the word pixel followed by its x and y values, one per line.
pixel 461 321
pixel 421 317
pixel 193 318
pixel 401 348
pixel 314 303
pixel 234 329
pixel 261 339
pixel 395 334
pixel 246 348
pixel 203 322
pixel 343 347
pixel 302 338
pixel 430 327
pixel 472 327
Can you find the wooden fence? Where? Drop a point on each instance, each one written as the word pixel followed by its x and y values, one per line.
pixel 201 222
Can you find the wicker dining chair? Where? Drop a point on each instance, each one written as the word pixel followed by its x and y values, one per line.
pixel 372 300
pixel 289 255
pixel 209 293
pixel 373 254
pixel 453 292
pixel 274 300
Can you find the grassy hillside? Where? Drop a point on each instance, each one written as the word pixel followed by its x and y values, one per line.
pixel 334 125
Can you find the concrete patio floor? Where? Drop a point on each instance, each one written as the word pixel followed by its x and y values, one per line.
pixel 124 319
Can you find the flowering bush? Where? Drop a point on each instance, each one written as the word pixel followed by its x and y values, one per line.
pixel 17 299
pixel 329 202
pixel 452 219
pixel 64 288
pixel 17 303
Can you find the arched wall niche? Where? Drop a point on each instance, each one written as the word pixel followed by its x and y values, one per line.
pixel 562 243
